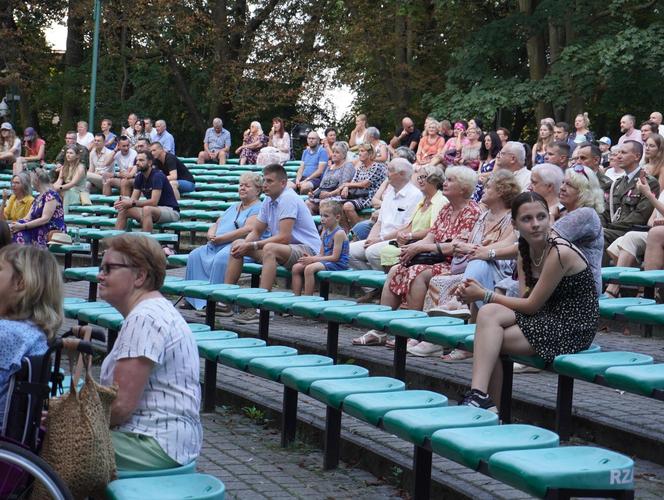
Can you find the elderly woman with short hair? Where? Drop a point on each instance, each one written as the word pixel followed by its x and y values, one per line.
pixel 408 281
pixel 380 147
pixel 18 204
pixel 431 144
pixel 339 172
pixel 254 140
pixel 209 261
pixel 154 362
pixel 545 180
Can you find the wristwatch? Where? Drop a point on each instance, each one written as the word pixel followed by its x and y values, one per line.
pixel 255 245
pixel 492 254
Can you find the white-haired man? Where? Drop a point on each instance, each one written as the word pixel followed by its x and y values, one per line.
pixel 164 137
pixel 513 157
pixel 216 144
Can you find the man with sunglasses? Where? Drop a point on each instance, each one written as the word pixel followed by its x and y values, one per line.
pixel 159 204
pixel 407 136
pixel 626 206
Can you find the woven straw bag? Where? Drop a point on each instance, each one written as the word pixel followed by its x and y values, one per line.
pixel 78 439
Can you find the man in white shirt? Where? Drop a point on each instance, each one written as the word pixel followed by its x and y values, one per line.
pixel 83 137
pixel 124 160
pixel 399 202
pixel 101 162
pixel 131 121
pixel 656 117
pixel 627 127
pixel 513 157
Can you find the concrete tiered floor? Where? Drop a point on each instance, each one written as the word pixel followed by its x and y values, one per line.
pixel 247 457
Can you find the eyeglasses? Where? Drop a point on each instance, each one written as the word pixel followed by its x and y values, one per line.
pixel 422 178
pixel 106 268
pixel 580 169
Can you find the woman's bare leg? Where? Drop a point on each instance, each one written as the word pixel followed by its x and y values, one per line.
pixel 654 258
pixel 418 290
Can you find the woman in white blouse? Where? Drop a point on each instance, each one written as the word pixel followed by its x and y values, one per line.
pixel 155 418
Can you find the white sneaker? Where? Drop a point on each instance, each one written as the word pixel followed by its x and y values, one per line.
pixel 425 349
pixel 519 368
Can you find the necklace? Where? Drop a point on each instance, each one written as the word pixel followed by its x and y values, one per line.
pixel 535 261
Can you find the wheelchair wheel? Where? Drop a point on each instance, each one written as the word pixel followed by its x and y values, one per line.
pixel 22 473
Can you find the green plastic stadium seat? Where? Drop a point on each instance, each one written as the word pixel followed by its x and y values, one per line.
pixel 257 269
pixel 415 328
pixel 333 392
pixel 571 467
pixel 448 336
pixel 228 296
pixel 110 321
pixel 381 320
pixel 651 315
pixel 73 300
pixel 467 344
pixel 271 368
pixel 301 379
pixel 190 468
pixel 92 314
pixel 612 273
pixel 78 273
pixel 470 446
pixel 178 487
pixel 175 288
pixel 71 310
pixel 179 260
pixel 372 407
pixel 373 281
pixel 213 335
pixel 610 308
pixel 199 291
pixel 349 277
pixel 210 349
pixel 417 426
pixel 538 362
pixel 285 304
pixel 642 278
pixel 240 358
pixel 198 327
pixel 256 299
pixel 347 314
pixel 313 309
pixel 642 379
pixel 589 366
pixel 74 248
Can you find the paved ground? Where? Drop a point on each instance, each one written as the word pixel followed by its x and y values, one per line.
pixel 247 457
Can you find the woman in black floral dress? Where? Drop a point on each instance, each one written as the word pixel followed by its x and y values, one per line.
pixel 557 314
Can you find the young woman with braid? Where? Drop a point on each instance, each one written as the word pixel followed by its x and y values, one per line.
pixel 558 313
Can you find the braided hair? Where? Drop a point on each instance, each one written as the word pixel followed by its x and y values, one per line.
pixel 524 247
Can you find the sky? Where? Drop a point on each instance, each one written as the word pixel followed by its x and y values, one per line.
pixel 342 97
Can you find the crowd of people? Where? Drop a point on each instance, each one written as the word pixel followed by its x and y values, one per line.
pixel 465 223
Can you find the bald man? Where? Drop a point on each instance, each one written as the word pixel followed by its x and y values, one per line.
pixel 407 136
pixel 656 117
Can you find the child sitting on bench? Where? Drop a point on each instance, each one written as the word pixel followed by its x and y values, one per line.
pixel 333 254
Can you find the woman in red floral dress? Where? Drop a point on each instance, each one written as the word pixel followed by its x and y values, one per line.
pixel 454 223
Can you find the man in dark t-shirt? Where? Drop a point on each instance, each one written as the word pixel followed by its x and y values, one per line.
pixel 159 205
pixel 407 136
pixel 177 172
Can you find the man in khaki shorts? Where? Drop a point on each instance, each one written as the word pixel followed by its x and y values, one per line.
pixel 159 204
pixel 292 230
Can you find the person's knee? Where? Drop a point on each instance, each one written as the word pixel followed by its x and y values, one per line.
pixel 270 250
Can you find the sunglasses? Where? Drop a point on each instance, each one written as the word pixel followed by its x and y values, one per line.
pixel 580 169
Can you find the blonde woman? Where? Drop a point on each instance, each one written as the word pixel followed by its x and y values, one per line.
pixel 581 133
pixel 71 180
pixel 17 205
pixel 254 140
pixel 10 146
pixel 209 261
pixel 31 308
pixel 431 144
pixel 358 134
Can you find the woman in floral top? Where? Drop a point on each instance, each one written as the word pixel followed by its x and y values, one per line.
pixel 357 193
pixel 46 214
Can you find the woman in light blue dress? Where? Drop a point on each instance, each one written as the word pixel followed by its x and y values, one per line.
pixel 209 261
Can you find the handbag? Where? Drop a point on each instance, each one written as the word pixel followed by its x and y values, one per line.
pixel 459 263
pixel 78 438
pixel 427 259
pixel 355 193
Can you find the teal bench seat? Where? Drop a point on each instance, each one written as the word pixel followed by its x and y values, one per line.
pixel 189 468
pixel 179 260
pixel 575 468
pixel 240 358
pixel 589 366
pixel 473 446
pixel 200 336
pixel 210 349
pixel 177 487
pixel 272 368
pixel 415 328
pixel 647 380
pixel 333 392
pixel 612 308
pixel 613 273
pixel 372 407
pixel 286 304
pixel 313 309
pixel 177 287
pixel 381 320
pixel 300 379
pixel 650 315
pixel 448 336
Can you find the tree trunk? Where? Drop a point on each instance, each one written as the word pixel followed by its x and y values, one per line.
pixel 537 65
pixel 72 62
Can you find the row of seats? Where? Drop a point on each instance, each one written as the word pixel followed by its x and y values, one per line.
pixel 524 456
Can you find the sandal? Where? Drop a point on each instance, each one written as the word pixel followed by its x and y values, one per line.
pixel 372 337
pixel 456 355
pixel 391 343
pixel 611 294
